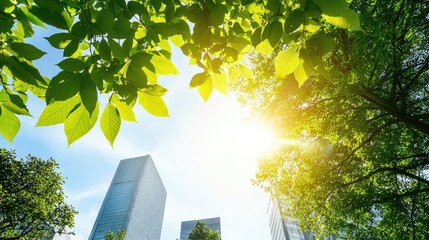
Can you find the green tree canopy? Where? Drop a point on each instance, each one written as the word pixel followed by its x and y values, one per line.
pixel 112 236
pixel 358 165
pixel 119 48
pixel 202 232
pixel 32 202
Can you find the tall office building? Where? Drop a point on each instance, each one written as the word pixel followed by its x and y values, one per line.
pixel 134 203
pixel 186 229
pixel 283 227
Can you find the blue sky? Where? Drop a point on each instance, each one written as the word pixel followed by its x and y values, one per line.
pixel 206 154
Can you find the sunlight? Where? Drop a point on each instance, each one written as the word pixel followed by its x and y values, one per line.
pixel 257 138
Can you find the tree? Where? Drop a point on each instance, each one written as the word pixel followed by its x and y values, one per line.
pixel 359 164
pixel 112 236
pixel 119 48
pixel 32 202
pixel 202 232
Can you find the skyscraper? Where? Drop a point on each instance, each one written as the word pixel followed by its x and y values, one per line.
pixel 134 203
pixel 212 223
pixel 283 227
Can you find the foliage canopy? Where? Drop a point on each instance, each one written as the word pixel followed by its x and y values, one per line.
pixel 202 232
pixel 120 47
pixel 32 204
pixel 112 236
pixel 359 166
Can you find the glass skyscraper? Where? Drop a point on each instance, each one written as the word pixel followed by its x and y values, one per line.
pixel 134 203
pixel 186 228
pixel 283 227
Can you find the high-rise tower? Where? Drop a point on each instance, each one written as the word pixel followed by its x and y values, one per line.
pixel 134 203
pixel 282 227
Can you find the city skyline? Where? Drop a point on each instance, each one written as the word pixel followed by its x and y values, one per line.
pixel 134 203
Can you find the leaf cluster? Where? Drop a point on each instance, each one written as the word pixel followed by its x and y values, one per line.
pixel 202 232
pixel 358 167
pixel 32 202
pixel 119 48
pixel 112 236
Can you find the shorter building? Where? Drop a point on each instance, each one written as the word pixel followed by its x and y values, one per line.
pixel 187 226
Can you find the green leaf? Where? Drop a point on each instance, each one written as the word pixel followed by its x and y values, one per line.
pixel 239 43
pixel 294 20
pixel 63 86
pixel 286 62
pixel 57 112
pixel 206 89
pixel 349 21
pixel 24 71
pixel 275 33
pixel 59 40
pixel 71 48
pixel 117 50
pixel 125 110
pixel 220 82
pixel 303 71
pixel 198 79
pixel 217 15
pixel 55 19
pixel 136 75
pixel 163 66
pixel 338 14
pixel 35 20
pixel 105 21
pixel 156 90
pixel 110 122
pixel 265 47
pixel 156 4
pixel 153 104
pixel 164 29
pixel 104 50
pixel 88 93
pixel 80 30
pixel 15 104
pixel 9 124
pixel 72 65
pixel 25 50
pixel 79 122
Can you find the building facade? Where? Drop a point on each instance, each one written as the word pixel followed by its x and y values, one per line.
pixel 284 228
pixel 187 226
pixel 134 203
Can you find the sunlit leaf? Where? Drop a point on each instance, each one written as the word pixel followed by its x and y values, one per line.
pixel 110 122
pixel 265 47
pixel 206 89
pixel 303 71
pixel 153 104
pixel 220 82
pixel 286 62
pixel 350 21
pixel 198 79
pixel 125 110
pixel 57 112
pixel 163 66
pixel 79 122
pixel 9 124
